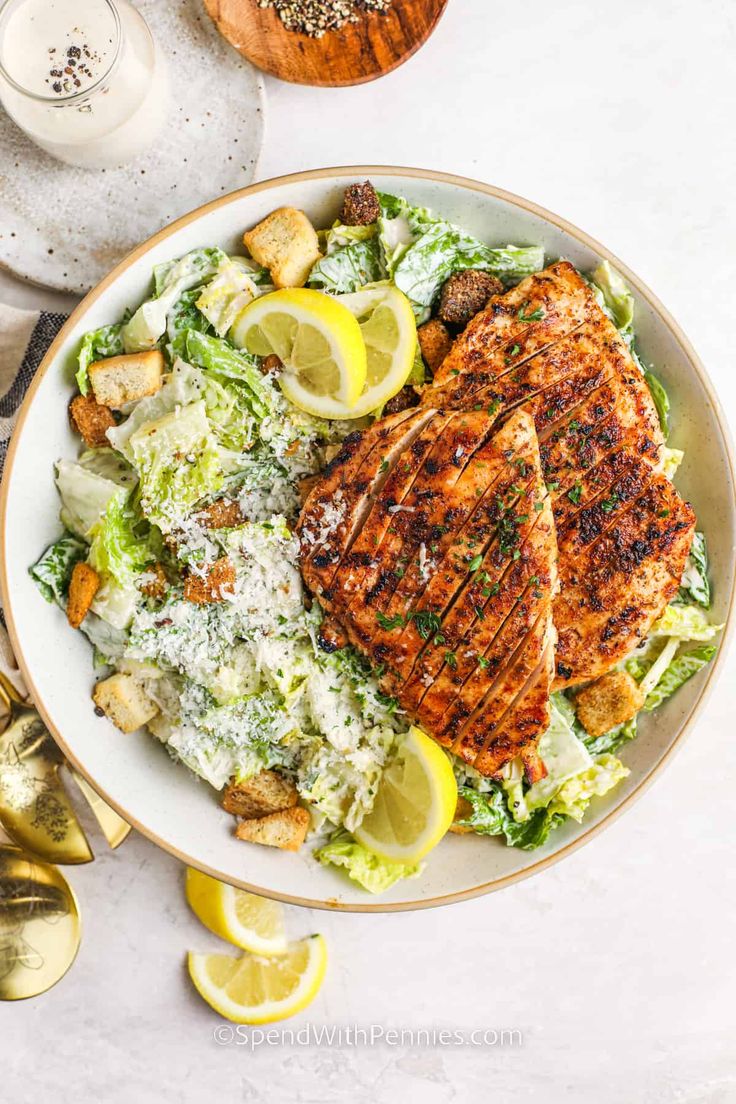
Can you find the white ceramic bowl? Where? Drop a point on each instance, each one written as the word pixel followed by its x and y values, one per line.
pixel 134 773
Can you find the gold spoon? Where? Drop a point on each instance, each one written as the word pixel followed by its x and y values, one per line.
pixel 35 809
pixel 40 927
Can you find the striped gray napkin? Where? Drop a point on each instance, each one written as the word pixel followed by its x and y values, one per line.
pixel 24 338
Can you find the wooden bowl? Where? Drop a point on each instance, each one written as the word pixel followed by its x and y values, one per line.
pixel 360 52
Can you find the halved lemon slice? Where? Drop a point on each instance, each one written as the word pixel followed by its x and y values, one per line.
pixel 256 990
pixel 390 334
pixel 415 803
pixel 253 923
pixel 319 342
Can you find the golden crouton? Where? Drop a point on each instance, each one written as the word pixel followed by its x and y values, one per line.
pixel 466 293
pixel 434 342
pixel 123 379
pixel 271 364
pixel 123 700
pixel 84 584
pixel 222 514
pixel 259 796
pixel 361 205
pixel 463 810
pixel 286 244
pixel 608 702
pixel 201 589
pixel 286 829
pixel 91 420
pixel 155 583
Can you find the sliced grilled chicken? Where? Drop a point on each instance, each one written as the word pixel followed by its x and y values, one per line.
pixel 601 451
pixel 617 575
pixel 441 592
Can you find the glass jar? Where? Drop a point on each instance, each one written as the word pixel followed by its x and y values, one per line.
pixel 84 79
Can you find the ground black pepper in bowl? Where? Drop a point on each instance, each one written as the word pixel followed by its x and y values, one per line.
pixel 315 17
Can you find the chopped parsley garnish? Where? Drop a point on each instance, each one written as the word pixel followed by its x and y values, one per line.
pixel 575 493
pixel 511 353
pixel 608 504
pixel 479 613
pixel 483 662
pixel 536 315
pixel 663 514
pixel 553 486
pixel 475 562
pixel 426 622
pixel 539 506
pixel 388 703
pixel 383 466
pixel 493 407
pixel 451 660
pixel 389 623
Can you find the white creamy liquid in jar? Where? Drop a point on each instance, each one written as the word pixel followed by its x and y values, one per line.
pixel 93 88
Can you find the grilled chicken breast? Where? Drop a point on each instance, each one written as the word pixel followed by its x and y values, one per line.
pixel 430 540
pixel 623 532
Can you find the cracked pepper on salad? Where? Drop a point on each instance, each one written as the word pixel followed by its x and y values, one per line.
pixel 375 529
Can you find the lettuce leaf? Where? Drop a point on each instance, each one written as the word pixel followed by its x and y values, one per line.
pixel 53 571
pixel 613 740
pixel 85 496
pixel 685 623
pixel 148 325
pixel 443 249
pixel 223 298
pixel 117 552
pixel 573 796
pixel 182 317
pixel 368 870
pixel 661 401
pixel 616 296
pixel 491 816
pixel 106 341
pixel 233 367
pixel 177 460
pixel 349 268
pixel 694 583
pixel 683 667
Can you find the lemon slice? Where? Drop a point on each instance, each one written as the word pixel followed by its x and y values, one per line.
pixel 253 923
pixel 319 342
pixel 390 334
pixel 415 803
pixel 256 990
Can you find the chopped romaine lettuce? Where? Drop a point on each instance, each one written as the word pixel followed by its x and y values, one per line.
pixel 678 672
pixel 368 870
pixel 177 461
pixel 672 459
pixel 107 341
pixel 686 623
pixel 117 552
pixel 85 496
pixel 616 296
pixel 443 249
pixel 661 401
pixel 148 325
pixel 182 317
pixel 226 363
pixel 349 268
pixel 573 796
pixel 53 571
pixel 490 816
pixel 226 295
pixel 694 583
pixel 611 741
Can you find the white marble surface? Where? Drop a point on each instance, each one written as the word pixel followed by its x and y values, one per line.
pixel 617 965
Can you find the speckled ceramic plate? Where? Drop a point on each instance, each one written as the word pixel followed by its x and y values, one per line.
pixel 134 773
pixel 65 228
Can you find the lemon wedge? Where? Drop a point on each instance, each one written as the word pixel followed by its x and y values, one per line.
pixel 319 342
pixel 389 331
pixel 415 803
pixel 256 990
pixel 253 923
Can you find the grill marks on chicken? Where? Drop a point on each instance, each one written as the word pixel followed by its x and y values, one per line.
pixel 443 572
pixel 601 451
